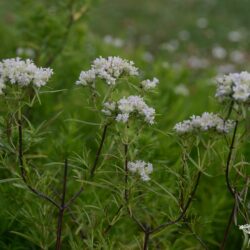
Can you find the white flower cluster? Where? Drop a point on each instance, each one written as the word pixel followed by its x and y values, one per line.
pixel 207 121
pixel 235 86
pixel 149 84
pixel 142 168
pixel 109 69
pixel 126 107
pixel 22 73
pixel 245 228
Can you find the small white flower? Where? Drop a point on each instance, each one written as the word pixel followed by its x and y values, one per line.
pixel 86 77
pixel 149 84
pixel 144 169
pixel 109 108
pixel 245 228
pixel 122 117
pixel 205 122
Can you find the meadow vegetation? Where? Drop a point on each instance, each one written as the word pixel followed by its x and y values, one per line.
pixel 124 124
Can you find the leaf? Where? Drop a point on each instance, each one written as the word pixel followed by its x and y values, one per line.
pixel 8 180
pixel 24 236
pixel 84 122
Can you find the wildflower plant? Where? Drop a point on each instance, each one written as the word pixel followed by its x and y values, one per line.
pixel 130 111
pixel 232 92
pixel 21 81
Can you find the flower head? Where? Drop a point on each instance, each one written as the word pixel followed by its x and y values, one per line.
pixel 23 73
pixel 142 168
pixel 108 69
pixel 126 107
pixel 234 87
pixel 205 122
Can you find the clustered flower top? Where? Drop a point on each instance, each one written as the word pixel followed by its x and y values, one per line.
pixel 149 84
pixel 142 168
pixel 245 228
pixel 205 122
pixel 22 73
pixel 109 69
pixel 125 107
pixel 234 87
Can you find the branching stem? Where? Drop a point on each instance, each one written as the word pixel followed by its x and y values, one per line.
pixel 62 208
pixel 184 210
pixel 229 187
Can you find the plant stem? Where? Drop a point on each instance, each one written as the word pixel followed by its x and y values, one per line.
pixel 110 225
pixel 229 187
pixel 146 240
pixel 62 207
pixel 230 220
pixel 98 153
pixel 126 173
pixel 229 110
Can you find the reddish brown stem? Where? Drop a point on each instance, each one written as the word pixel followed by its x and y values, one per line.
pixel 230 188
pixel 126 173
pixel 146 240
pixel 62 208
